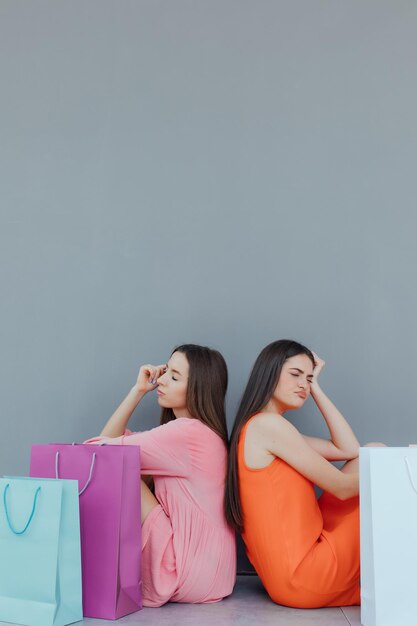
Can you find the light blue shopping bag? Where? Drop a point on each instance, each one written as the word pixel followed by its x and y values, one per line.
pixel 40 557
pixel 388 520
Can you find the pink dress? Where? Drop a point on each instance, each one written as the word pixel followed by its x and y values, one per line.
pixel 188 550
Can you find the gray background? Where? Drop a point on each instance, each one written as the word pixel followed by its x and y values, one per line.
pixel 220 172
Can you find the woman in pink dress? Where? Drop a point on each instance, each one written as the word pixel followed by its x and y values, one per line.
pixel 188 549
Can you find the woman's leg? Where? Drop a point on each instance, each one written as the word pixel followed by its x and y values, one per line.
pixel 353 466
pixel 147 500
pixel 148 480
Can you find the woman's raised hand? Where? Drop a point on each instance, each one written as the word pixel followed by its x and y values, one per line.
pixel 318 367
pixel 147 377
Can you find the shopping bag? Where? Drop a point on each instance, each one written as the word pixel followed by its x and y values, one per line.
pixel 109 487
pixel 388 526
pixel 40 557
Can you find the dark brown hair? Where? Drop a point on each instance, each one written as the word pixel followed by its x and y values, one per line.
pixel 259 390
pixel 206 389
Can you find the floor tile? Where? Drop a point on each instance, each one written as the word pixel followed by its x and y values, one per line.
pixel 249 605
pixel 353 615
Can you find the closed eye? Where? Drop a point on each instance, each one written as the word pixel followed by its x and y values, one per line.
pixel 309 380
pixel 173 377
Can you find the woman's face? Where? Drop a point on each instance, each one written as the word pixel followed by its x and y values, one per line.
pixel 293 387
pixel 172 385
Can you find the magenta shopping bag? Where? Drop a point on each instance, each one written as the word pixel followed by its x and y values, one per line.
pixel 110 520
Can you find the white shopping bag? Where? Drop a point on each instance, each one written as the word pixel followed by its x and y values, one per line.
pixel 388 526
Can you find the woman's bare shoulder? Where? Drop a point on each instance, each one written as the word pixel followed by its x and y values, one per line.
pixel 269 423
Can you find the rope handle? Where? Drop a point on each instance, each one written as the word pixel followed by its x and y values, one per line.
pixel 90 476
pixel 19 532
pixel 410 474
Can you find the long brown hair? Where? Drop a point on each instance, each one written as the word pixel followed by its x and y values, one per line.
pixel 259 390
pixel 206 389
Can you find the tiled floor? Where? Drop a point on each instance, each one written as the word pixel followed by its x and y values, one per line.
pixel 247 606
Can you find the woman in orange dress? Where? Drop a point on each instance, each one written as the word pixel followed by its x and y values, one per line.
pixel 304 549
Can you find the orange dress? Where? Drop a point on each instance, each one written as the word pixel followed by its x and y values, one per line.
pixel 305 551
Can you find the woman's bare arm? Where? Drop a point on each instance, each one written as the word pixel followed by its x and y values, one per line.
pixel 146 381
pixel 327 449
pixel 343 444
pixel 117 423
pixel 283 440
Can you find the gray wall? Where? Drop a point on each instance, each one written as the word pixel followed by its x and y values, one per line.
pixel 223 172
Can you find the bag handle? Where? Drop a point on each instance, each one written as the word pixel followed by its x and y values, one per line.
pixel 19 532
pixel 410 475
pixel 90 476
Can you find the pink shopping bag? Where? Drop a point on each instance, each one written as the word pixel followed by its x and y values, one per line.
pixel 110 520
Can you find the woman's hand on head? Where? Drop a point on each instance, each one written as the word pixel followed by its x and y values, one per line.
pixel 319 364
pixel 147 377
